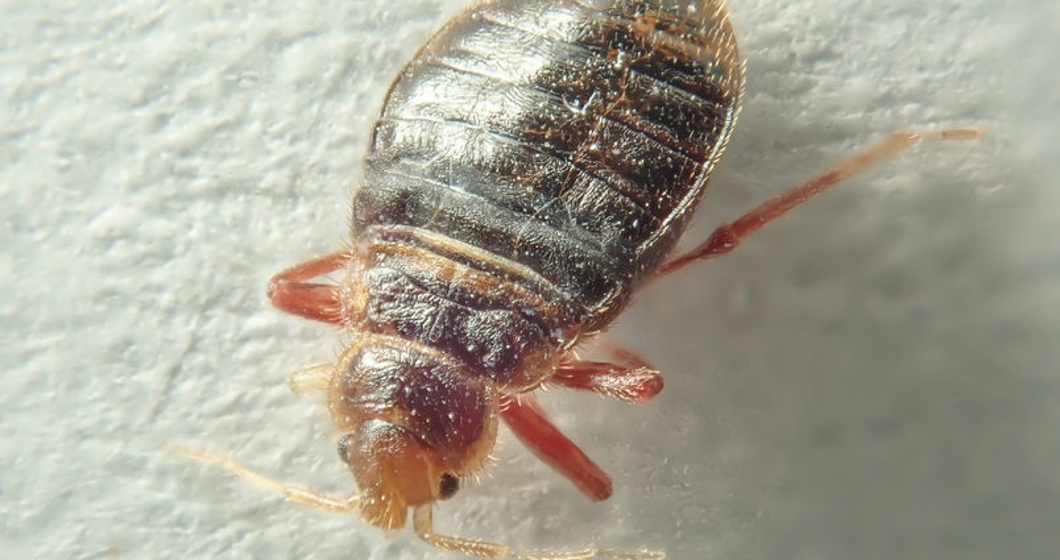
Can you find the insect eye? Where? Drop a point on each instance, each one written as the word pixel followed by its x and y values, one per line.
pixel 344 447
pixel 449 485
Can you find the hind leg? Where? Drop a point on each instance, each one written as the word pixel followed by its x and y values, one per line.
pixel 727 237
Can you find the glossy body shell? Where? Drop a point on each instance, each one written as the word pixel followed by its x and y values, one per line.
pixel 533 165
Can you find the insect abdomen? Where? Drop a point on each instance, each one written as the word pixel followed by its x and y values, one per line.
pixel 574 138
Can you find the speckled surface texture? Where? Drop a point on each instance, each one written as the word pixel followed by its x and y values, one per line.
pixel 873 378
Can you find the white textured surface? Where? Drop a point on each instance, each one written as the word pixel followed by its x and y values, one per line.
pixel 873 378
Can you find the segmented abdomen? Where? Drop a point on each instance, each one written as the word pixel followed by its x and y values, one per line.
pixel 573 137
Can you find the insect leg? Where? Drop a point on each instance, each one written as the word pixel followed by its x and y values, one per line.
pixel 290 290
pixel 728 236
pixel 634 382
pixel 293 492
pixel 312 379
pixel 527 421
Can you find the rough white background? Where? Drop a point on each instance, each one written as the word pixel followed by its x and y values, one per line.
pixel 875 377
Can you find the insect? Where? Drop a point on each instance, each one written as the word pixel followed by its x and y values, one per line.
pixel 533 167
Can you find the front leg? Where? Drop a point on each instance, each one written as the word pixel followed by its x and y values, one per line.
pixel 527 421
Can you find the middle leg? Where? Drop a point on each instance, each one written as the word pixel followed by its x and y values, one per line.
pixel 292 291
pixel 631 379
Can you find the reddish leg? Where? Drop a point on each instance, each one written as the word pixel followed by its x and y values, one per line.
pixel 728 236
pixel 631 380
pixel 527 421
pixel 290 291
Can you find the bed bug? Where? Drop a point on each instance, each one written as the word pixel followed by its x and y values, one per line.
pixel 532 168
